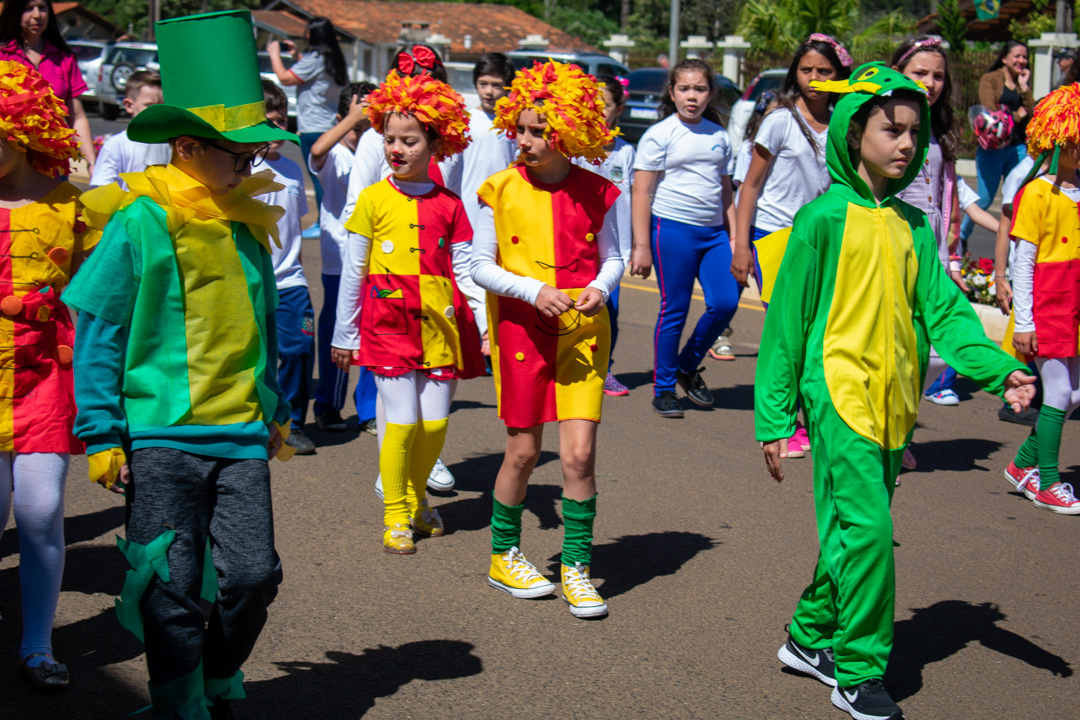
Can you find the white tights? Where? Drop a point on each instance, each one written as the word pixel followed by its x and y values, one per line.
pixel 36 482
pixel 409 398
pixel 1061 382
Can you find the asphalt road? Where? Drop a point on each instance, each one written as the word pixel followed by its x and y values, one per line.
pixel 700 556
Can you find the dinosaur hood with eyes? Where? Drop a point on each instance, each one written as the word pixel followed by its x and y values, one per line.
pixel 867 82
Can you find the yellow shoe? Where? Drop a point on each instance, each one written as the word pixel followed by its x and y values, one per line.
pixel 397 540
pixel 579 593
pixel 512 573
pixel 426 521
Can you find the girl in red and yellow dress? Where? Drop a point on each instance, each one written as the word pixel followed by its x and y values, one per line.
pixel 546 249
pixel 399 311
pixel 1046 294
pixel 42 240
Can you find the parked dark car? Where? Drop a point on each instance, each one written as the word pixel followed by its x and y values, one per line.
pixel 645 91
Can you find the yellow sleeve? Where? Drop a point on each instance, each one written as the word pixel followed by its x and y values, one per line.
pixel 362 221
pixel 1029 212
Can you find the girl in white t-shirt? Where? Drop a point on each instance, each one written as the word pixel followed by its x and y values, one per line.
pixel 681 210
pixel 619 169
pixel 787 168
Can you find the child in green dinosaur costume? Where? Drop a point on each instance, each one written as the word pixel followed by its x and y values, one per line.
pixel 858 299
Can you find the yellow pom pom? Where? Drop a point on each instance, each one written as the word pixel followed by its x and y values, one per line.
pixel 33 119
pixel 571 102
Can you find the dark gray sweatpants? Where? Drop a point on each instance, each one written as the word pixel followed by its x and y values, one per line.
pixel 199 497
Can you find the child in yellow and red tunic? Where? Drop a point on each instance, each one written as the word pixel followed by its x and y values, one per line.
pixel 399 311
pixel 546 249
pixel 42 241
pixel 1046 294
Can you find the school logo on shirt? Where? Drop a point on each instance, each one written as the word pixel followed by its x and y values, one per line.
pixel 617 174
pixel 308 325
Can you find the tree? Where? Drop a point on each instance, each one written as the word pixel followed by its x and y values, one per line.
pixel 781 26
pixel 952 25
pixel 134 13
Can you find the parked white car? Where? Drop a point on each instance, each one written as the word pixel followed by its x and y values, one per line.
pixel 89 54
pixel 744 107
pixel 459 75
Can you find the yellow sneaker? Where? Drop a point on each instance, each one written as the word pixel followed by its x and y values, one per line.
pixel 512 573
pixel 426 521
pixel 579 593
pixel 397 540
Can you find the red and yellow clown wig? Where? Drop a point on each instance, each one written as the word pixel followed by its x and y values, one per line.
pixel 435 104
pixel 571 102
pixel 1055 121
pixel 32 119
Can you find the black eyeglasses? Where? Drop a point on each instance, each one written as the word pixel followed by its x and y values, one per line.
pixel 241 161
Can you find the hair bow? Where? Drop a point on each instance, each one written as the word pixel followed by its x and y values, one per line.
pixel 919 46
pixel 763 102
pixel 841 53
pixel 625 82
pixel 422 56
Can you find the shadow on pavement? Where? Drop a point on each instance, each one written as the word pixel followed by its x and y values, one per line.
pixel 944 629
pixel 635 379
pixel 347 686
pixel 953 455
pixel 739 397
pixel 93 525
pixel 471 405
pixel 88 647
pixel 634 560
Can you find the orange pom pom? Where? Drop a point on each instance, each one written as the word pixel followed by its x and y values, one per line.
pixel 33 119
pixel 1055 120
pixel 571 101
pixel 434 103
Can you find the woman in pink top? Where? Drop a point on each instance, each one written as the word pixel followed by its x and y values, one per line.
pixel 30 35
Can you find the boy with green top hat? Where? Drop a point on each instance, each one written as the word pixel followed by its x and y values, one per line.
pixel 858 299
pixel 176 367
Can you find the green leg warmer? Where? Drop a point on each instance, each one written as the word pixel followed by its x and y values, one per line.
pixel 1048 430
pixel 578 517
pixel 1028 454
pixel 505 526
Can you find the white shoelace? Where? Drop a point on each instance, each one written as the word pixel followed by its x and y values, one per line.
pixel 1032 474
pixel 577 583
pixel 519 568
pixel 1064 493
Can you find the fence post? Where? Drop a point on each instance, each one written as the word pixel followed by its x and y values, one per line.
pixel 618 48
pixel 734 48
pixel 695 44
pixel 1045 67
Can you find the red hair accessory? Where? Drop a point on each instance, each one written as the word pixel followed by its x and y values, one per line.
pixel 435 104
pixel 33 119
pixel 425 57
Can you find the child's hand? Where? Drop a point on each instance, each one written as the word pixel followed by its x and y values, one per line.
pixel 589 302
pixel 357 109
pixel 552 302
pixel 1019 389
pixel 958 278
pixel 742 264
pixel 485 346
pixel 344 358
pixel 1026 344
pixel 774 452
pixel 1003 293
pixel 641 260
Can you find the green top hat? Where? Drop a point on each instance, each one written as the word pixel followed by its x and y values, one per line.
pixel 210 81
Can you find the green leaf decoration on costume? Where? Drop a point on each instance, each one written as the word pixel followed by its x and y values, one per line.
pixel 146 561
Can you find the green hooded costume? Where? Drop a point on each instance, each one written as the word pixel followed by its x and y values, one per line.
pixel 858 299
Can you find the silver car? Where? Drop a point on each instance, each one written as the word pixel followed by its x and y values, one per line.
pixel 89 54
pixel 593 63
pixel 123 59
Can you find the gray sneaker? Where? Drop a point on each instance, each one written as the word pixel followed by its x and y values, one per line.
pixel 694 386
pixel 300 442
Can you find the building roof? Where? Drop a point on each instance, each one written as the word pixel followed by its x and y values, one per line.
pixel 990 30
pixel 289 24
pixel 492 28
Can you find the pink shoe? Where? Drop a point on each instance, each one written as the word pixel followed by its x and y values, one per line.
pixel 795 447
pixel 908 462
pixel 803 436
pixel 613 387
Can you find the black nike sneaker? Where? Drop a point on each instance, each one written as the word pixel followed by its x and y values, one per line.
pixel 816 663
pixel 867 701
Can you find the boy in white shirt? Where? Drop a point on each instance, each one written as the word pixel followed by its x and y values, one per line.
pixel 295 316
pixel 120 154
pixel 331 160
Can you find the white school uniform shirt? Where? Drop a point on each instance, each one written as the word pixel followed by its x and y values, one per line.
pixel 797 173
pixel 489 152
pixel 619 169
pixel 334 177
pixel 120 154
pixel 287 269
pixel 693 159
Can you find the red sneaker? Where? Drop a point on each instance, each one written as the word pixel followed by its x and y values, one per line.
pixel 1057 498
pixel 1019 477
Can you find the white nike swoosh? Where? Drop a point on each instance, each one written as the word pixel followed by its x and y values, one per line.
pixel 815 661
pixel 851 698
